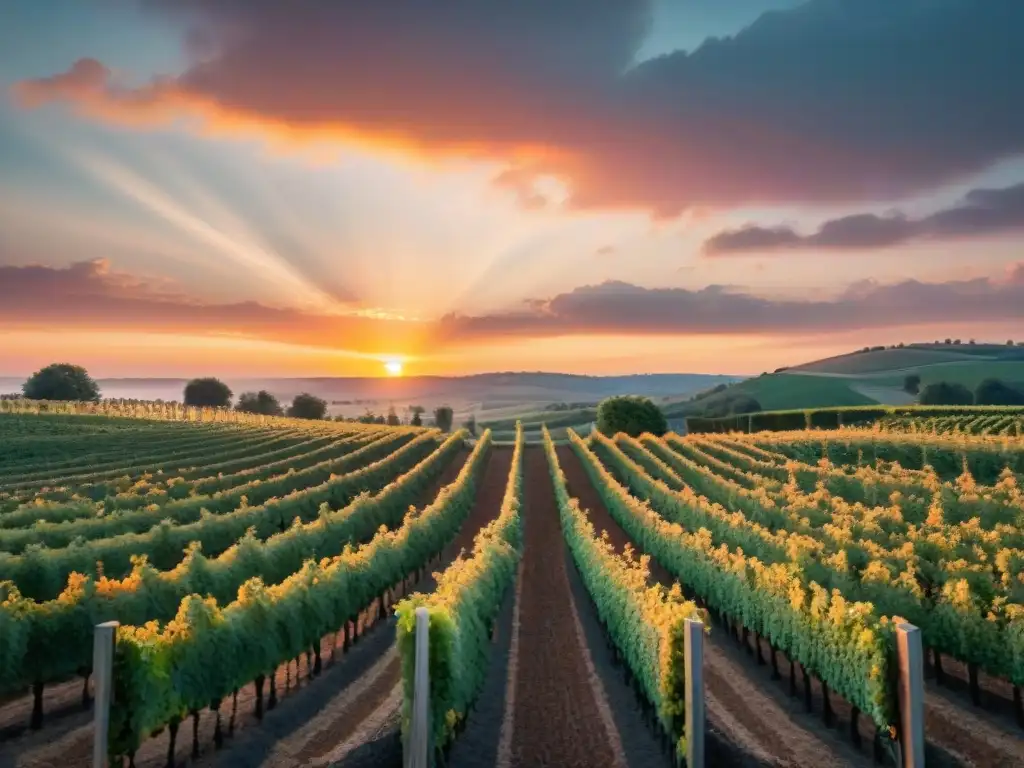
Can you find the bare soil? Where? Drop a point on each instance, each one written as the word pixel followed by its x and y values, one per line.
pixel 556 719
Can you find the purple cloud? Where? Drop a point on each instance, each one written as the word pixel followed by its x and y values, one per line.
pixel 982 213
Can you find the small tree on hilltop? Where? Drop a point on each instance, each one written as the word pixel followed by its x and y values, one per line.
pixel 744 404
pixel 912 384
pixel 259 402
pixel 61 381
pixel 630 414
pixel 443 416
pixel 393 420
pixel 417 419
pixel 208 393
pixel 945 393
pixel 995 392
pixel 307 406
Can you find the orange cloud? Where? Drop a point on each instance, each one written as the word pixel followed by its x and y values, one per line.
pixel 808 105
pixel 90 295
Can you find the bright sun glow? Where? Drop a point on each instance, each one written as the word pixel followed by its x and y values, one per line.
pixel 393 367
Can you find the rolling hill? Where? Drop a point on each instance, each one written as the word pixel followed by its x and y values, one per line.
pixel 867 377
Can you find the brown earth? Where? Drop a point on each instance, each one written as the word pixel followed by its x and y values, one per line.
pixel 556 719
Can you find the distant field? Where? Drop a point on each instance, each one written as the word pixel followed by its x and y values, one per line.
pixel 534 434
pixel 970 373
pixel 780 391
pixel 551 418
pixel 868 378
pixel 884 360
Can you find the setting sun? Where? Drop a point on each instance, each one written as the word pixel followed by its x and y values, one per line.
pixel 393 367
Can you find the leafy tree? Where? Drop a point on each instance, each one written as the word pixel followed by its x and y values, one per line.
pixel 208 392
pixel 949 341
pixel 369 417
pixel 1009 342
pixel 945 393
pixel 995 392
pixel 443 416
pixel 630 414
pixel 416 420
pixel 259 402
pixel 61 381
pixel 393 420
pixel 380 419
pixel 744 404
pixel 470 425
pixel 912 383
pixel 307 406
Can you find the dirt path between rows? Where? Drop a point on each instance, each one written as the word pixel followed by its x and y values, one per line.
pixel 755 722
pixel 353 717
pixel 557 719
pixel 377 740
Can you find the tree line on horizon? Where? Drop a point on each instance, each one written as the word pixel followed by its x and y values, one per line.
pixel 991 391
pixel 67 382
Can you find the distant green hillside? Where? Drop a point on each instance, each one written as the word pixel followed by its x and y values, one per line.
pixel 911 357
pixel 782 391
pixel 866 378
pixel 968 373
pixel 883 360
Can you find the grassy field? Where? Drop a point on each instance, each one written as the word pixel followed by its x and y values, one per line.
pixel 883 361
pixel 970 373
pixel 867 378
pixel 781 391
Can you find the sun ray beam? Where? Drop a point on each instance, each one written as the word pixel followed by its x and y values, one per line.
pixel 300 291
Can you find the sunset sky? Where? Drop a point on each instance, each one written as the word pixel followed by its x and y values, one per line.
pixel 256 187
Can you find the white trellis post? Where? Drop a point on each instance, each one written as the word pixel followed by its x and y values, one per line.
pixel 911 694
pixel 418 745
pixel 103 680
pixel 694 659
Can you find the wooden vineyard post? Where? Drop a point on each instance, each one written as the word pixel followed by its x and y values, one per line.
pixel 910 658
pixel 418 743
pixel 103 678
pixel 694 658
